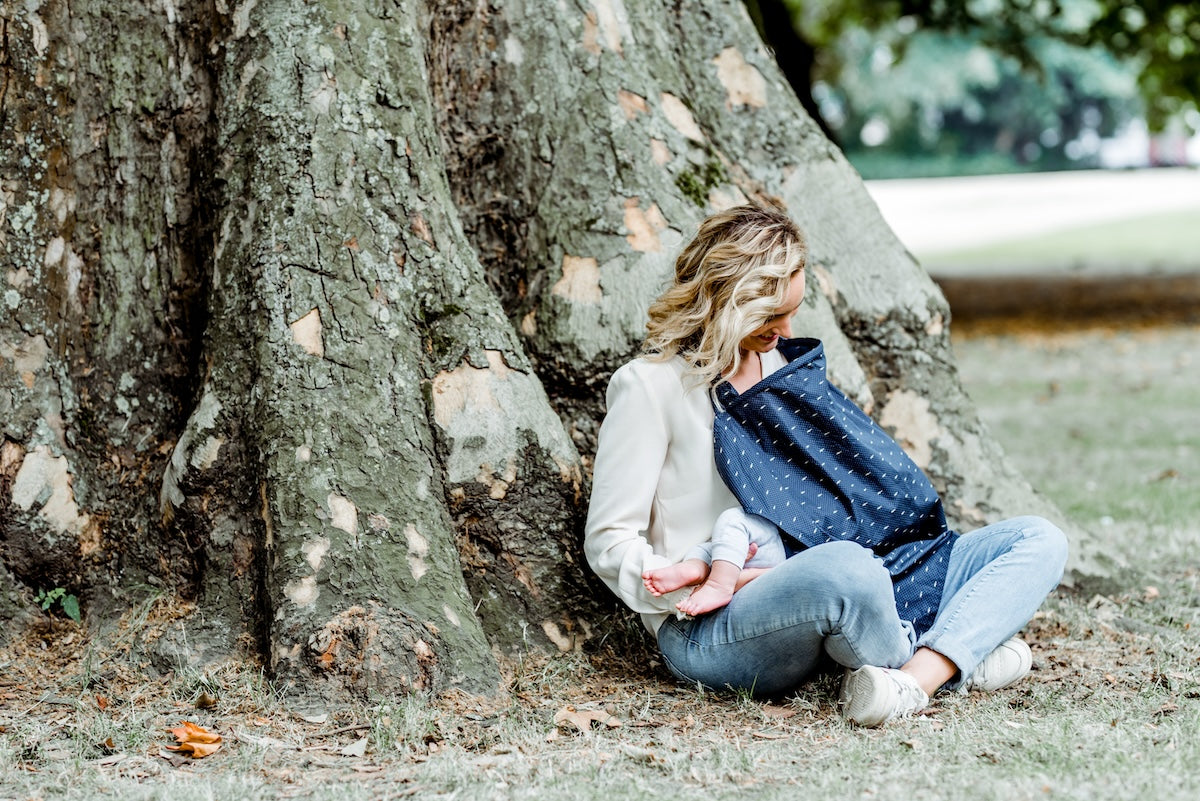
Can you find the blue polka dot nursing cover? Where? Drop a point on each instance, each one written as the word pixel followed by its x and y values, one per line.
pixel 795 450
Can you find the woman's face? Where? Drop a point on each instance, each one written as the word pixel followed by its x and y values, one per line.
pixel 765 338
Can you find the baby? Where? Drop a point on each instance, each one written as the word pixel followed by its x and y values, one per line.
pixel 739 540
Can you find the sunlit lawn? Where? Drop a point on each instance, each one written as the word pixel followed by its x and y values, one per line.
pixel 1168 242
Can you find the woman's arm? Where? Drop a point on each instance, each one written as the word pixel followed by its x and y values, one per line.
pixel 630 453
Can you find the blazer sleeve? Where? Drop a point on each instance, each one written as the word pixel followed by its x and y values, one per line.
pixel 630 452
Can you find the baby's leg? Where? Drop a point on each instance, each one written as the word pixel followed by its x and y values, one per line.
pixel 716 591
pixel 672 577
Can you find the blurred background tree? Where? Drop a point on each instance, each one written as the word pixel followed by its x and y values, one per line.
pixel 931 87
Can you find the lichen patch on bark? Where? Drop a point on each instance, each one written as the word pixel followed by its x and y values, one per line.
pixel 631 104
pixel 206 455
pixel 241 18
pixel 454 391
pixel 27 357
pixel 970 513
pixel 580 281
pixel 45 480
pixel 680 117
pixel 529 323
pixel 725 197
pixel 343 514
pixel 555 635
pixel 659 152
pixel 303 591
pixel 307 333
pixel 602 25
pixel 570 640
pixel 913 425
pixel 418 549
pixel 497 484
pixel 744 84
pixel 514 53
pixel 643 226
pixel 314 551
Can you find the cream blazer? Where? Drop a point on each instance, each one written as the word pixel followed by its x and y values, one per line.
pixel 656 492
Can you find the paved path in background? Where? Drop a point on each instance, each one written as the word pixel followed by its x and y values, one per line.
pixel 939 215
pixel 935 215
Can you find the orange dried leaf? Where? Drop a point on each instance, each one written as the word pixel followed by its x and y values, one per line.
pixel 190 732
pixel 583 719
pixel 195 750
pixel 194 741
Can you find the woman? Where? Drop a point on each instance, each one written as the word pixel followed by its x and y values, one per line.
pixel 657 492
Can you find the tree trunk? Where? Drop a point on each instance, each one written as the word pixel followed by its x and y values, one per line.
pixel 309 307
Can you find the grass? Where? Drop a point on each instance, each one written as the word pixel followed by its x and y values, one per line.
pixel 1163 242
pixel 1104 421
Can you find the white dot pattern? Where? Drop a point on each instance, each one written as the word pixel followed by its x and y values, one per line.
pixel 795 450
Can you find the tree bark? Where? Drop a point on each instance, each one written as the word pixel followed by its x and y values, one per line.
pixel 309 307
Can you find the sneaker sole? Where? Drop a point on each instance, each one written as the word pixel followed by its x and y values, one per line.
pixel 1025 661
pixel 859 687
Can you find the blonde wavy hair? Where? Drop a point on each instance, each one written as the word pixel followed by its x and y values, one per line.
pixel 729 281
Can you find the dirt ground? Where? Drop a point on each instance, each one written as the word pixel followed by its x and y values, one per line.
pixel 79 709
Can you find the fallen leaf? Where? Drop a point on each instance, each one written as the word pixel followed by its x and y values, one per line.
pixel 190 732
pixel 194 741
pixel 778 712
pixel 355 749
pixel 206 701
pixel 582 719
pixel 102 702
pixel 196 750
pixel 763 735
pixel 176 759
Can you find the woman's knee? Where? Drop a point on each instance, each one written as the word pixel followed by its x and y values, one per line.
pixel 848 570
pixel 1047 539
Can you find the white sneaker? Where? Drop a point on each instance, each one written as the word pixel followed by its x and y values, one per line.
pixel 874 695
pixel 1006 665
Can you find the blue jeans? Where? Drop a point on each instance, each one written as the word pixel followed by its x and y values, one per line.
pixel 836 601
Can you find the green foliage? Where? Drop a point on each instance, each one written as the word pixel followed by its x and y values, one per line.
pixel 1039 82
pixel 1158 39
pixel 1164 37
pixel 66 601
pixel 696 182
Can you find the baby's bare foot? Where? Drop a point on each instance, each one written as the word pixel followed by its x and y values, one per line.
pixel 672 577
pixel 705 598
